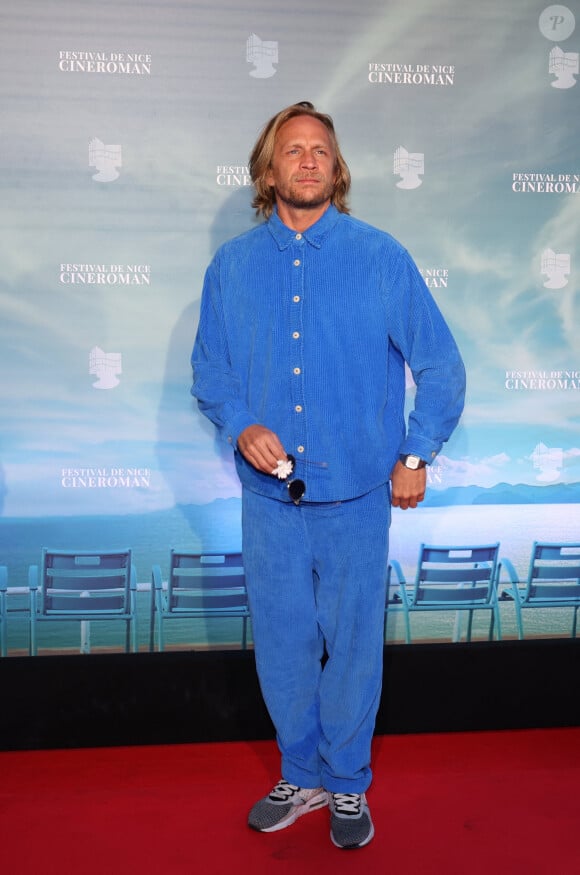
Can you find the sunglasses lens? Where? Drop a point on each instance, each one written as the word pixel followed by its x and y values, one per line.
pixel 296 488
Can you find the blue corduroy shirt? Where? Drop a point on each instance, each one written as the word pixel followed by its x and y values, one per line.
pixel 307 334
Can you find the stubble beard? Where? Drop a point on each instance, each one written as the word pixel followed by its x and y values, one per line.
pixel 297 201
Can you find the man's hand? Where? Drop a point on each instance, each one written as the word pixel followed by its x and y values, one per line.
pixel 261 448
pixel 407 486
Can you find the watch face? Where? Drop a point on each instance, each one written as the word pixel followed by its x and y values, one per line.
pixel 412 462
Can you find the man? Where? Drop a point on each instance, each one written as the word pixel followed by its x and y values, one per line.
pixel 306 322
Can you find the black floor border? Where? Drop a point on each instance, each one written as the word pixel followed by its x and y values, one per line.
pixel 190 696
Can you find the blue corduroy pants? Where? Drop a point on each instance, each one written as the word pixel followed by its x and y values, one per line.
pixel 316 579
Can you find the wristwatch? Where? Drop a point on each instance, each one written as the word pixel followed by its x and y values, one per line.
pixel 413 462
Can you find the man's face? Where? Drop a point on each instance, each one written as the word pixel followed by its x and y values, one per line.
pixel 303 169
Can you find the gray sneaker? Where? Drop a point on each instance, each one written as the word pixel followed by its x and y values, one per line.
pixel 350 820
pixel 285 804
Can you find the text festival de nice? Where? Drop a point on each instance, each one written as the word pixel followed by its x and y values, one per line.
pixel 546 183
pixel 412 74
pixel 132 63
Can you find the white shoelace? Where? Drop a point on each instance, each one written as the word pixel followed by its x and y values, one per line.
pixel 283 791
pixel 347 803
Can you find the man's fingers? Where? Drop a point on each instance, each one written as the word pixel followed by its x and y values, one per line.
pixel 407 486
pixel 261 447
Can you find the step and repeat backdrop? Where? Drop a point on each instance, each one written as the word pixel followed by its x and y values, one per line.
pixel 124 140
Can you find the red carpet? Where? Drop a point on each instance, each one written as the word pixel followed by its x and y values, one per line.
pixel 459 804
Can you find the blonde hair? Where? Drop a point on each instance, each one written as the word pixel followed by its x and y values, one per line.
pixel 261 159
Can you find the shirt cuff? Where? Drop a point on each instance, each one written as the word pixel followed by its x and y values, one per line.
pixel 236 426
pixel 416 446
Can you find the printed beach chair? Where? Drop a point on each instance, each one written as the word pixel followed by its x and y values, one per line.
pixel 553 581
pixel 200 585
pixel 84 586
pixel 458 578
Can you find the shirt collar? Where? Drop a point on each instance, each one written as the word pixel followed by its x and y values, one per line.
pixel 283 235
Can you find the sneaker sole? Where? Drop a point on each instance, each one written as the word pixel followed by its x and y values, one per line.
pixel 297 811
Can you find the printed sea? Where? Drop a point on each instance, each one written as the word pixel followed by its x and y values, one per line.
pixel 216 527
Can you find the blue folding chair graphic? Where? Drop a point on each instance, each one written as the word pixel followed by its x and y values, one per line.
pixel 200 585
pixel 457 578
pixel 84 586
pixel 553 581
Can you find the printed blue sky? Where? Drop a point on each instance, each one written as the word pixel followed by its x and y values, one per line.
pixel 200 109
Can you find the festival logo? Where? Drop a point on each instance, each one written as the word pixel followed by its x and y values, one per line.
pixel 105 160
pixel 105 366
pixel 408 165
pixel 564 66
pixel 263 55
pixel 555 266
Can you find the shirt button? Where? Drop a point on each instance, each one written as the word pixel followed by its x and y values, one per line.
pixel 299 237
pixel 300 448
pixel 298 408
pixel 296 262
pixel 295 335
pixel 296 370
pixel 296 298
